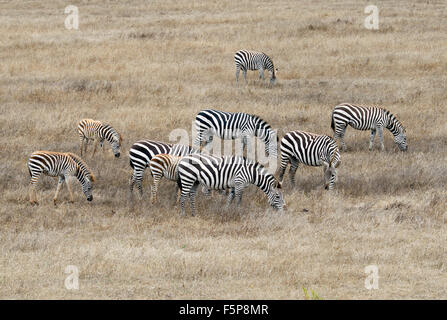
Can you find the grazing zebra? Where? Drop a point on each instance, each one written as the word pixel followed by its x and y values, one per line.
pixel 220 173
pixel 163 165
pixel 141 153
pixel 253 60
pixel 63 165
pixel 229 125
pixel 367 118
pixel 98 131
pixel 312 150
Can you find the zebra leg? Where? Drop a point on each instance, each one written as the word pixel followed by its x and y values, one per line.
pixel 59 186
pixel 154 188
pixel 245 75
pixel 101 144
pixel 261 74
pixel 192 198
pixel 32 187
pixel 183 194
pixel 177 191
pixel 95 146
pixel 282 170
pixel 380 134
pixel 340 134
pixel 371 139
pixel 230 197
pixel 238 194
pixel 237 74
pixel 82 142
pixel 293 167
pixel 136 178
pixel 68 182
pixel 85 146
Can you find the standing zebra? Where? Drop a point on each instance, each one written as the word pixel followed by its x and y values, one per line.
pixel 141 153
pixel 253 60
pixel 220 173
pixel 63 165
pixel 367 118
pixel 229 125
pixel 98 131
pixel 163 165
pixel 312 150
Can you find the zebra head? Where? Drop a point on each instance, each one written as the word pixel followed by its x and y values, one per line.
pixel 116 145
pixel 273 76
pixel 86 179
pixel 275 196
pixel 330 172
pixel 401 140
pixel 398 131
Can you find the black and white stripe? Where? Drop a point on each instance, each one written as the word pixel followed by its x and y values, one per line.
pixel 253 60
pixel 367 118
pixel 312 150
pixel 229 125
pixel 220 173
pixel 62 165
pixel 141 153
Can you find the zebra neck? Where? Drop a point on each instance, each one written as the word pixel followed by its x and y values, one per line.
pixel 393 127
pixel 107 133
pixel 80 175
pixel 260 180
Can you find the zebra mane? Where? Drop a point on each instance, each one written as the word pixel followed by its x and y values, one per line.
pixel 392 118
pixel 81 163
pixel 260 123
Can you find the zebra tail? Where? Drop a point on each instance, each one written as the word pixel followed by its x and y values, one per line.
pixel 179 183
pixel 332 122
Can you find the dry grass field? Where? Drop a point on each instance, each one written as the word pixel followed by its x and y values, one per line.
pixel 148 67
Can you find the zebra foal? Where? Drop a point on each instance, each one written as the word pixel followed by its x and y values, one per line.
pixel 89 129
pixel 63 165
pixel 163 165
pixel 141 153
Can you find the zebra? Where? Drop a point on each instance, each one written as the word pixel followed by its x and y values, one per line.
pixel 229 125
pixel 98 131
pixel 367 118
pixel 312 150
pixel 163 165
pixel 220 173
pixel 253 60
pixel 141 153
pixel 62 165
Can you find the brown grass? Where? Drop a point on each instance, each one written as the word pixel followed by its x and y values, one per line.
pixel 149 67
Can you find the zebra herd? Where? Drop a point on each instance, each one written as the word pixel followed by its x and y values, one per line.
pixel 191 167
